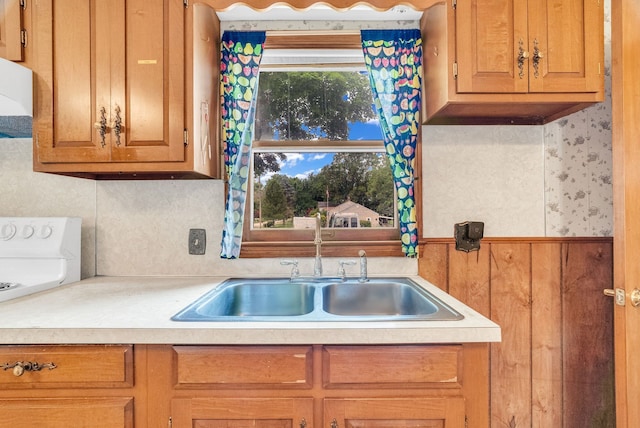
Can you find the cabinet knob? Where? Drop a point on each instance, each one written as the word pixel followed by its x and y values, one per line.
pixel 522 56
pixel 19 367
pixel 101 125
pixel 537 56
pixel 118 127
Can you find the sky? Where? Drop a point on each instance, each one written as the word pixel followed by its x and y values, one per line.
pixel 301 165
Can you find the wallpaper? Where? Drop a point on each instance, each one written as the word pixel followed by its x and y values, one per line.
pixel 578 166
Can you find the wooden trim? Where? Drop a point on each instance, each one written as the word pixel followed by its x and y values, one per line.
pixel 277 249
pixel 336 4
pixel 532 239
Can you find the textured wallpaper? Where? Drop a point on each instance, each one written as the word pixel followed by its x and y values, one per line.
pixel 578 166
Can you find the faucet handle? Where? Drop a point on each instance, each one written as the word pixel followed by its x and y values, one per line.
pixel 295 272
pixel 341 272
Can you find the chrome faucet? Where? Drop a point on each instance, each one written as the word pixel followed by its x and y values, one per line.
pixel 363 266
pixel 317 266
pixel 295 272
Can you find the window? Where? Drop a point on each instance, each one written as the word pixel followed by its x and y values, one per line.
pixel 317 148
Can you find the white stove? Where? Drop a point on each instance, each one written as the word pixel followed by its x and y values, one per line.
pixel 38 253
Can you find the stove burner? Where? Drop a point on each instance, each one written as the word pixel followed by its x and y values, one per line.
pixel 8 285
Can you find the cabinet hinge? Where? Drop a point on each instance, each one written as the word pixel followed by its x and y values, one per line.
pixel 466 422
pixel 454 3
pixel 455 70
pixel 170 422
pixel 23 4
pixel 185 3
pixel 186 137
pixel 23 38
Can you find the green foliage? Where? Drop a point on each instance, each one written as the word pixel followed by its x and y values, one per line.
pixel 310 105
pixel 274 205
pixel 315 105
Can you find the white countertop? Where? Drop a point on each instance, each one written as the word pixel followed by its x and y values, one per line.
pixel 137 310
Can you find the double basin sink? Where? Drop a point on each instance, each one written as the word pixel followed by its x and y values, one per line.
pixel 318 299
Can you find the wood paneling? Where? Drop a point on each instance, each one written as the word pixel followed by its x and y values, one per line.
pixel 554 366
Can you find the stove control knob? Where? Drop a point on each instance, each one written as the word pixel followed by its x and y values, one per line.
pixel 27 231
pixel 44 232
pixel 7 231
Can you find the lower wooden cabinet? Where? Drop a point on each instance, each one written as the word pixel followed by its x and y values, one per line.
pixel 305 386
pixel 43 386
pixel 241 412
pixel 106 412
pixel 377 386
pixel 414 412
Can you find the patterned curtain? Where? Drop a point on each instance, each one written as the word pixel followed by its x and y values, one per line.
pixel 239 64
pixel 394 61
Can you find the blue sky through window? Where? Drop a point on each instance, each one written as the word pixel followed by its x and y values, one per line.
pixel 302 164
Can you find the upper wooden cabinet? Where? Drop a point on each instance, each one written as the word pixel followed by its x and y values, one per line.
pixel 508 61
pixel 115 88
pixel 12 32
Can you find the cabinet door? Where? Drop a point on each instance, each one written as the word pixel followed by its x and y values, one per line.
pixel 10 28
pixel 112 63
pixel 147 80
pixel 242 412
pixel 569 36
pixel 67 412
pixel 489 35
pixel 72 79
pixel 418 412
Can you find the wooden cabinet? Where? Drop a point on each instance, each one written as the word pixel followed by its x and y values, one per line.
pixel 395 412
pixel 305 386
pixel 284 386
pixel 66 386
pixel 122 90
pixel 12 32
pixel 508 61
pixel 241 412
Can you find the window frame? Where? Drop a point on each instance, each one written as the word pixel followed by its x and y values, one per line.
pixel 300 243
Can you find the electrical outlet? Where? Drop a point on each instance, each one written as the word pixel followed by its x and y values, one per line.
pixel 197 241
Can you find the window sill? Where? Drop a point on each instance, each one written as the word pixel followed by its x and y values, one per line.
pixel 275 249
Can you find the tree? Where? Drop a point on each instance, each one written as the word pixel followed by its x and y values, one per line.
pixel 267 162
pixel 346 177
pixel 311 105
pixel 380 190
pixel 274 205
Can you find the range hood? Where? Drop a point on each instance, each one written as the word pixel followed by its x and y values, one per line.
pixel 16 89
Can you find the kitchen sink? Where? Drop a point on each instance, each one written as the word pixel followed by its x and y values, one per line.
pixel 317 299
pixel 383 298
pixel 251 298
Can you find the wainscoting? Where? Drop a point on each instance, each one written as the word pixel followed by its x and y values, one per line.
pixel 554 366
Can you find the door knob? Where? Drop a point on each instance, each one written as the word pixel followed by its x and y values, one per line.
pixel 635 297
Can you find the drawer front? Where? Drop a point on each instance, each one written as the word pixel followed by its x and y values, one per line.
pixel 391 366
pixel 90 366
pixel 108 412
pixel 243 366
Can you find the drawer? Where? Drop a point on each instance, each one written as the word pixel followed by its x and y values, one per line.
pixel 107 412
pixel 243 366
pixel 392 366
pixel 83 366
